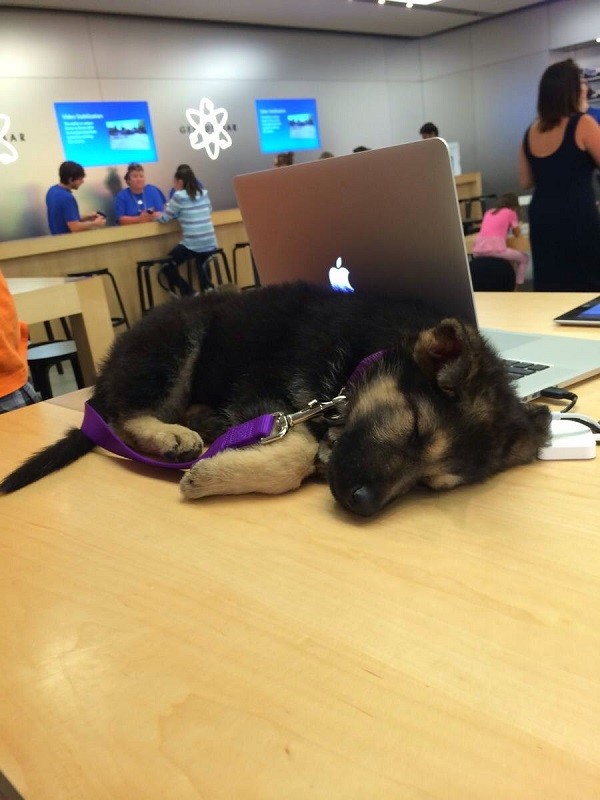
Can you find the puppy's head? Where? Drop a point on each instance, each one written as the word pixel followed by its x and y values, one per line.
pixel 441 413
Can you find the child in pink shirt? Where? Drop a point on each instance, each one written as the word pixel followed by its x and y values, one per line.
pixel 491 239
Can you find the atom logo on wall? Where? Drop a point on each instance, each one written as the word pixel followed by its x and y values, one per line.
pixel 8 153
pixel 209 128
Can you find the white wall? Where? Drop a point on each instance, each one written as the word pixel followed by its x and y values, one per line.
pixel 478 84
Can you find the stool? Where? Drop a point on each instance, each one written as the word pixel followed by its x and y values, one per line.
pixel 52 337
pixel 41 357
pixel 241 246
pixel 492 274
pixel 116 321
pixel 213 261
pixel 144 281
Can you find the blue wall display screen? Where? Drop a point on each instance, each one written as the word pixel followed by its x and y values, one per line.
pixel 285 125
pixel 106 134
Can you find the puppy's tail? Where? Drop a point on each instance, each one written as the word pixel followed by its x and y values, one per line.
pixel 72 446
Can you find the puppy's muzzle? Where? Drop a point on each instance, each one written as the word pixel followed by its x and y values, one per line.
pixel 362 500
pixel 353 485
pixel 364 476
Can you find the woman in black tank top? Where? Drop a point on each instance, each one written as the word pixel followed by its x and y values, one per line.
pixel 564 224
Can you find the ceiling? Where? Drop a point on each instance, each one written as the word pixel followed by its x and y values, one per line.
pixel 349 16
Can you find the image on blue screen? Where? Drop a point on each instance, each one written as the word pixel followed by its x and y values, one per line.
pixel 287 124
pixel 106 134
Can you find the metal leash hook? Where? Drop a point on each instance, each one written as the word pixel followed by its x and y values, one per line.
pixel 282 423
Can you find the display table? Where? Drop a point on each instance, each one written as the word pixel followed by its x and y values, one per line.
pixel 277 647
pixel 84 304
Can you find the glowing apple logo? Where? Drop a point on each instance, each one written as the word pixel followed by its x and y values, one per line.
pixel 338 278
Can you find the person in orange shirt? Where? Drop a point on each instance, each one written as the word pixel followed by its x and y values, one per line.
pixel 15 389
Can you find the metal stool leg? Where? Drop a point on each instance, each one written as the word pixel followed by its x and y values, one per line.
pixel 41 380
pixel 242 246
pixel 119 298
pixel 77 372
pixel 116 321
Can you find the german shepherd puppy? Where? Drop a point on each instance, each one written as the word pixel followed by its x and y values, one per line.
pixel 436 409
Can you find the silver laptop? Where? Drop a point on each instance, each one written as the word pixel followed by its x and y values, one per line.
pixel 388 220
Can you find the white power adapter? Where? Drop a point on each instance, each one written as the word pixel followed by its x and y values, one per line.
pixel 570 440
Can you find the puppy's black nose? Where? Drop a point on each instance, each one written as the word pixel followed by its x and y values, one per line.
pixel 364 501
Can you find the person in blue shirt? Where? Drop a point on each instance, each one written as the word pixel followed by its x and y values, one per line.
pixel 140 201
pixel 192 207
pixel 61 206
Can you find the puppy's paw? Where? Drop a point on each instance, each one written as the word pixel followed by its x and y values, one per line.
pixel 271 469
pixel 154 437
pixel 199 481
pixel 177 443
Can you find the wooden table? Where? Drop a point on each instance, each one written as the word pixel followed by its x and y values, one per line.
pixel 257 648
pixel 82 301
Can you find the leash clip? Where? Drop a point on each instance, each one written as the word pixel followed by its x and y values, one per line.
pixel 283 422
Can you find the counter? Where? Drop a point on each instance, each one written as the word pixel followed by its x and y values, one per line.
pixel 116 248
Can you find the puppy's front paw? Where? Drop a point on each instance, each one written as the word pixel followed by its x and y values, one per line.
pixel 199 481
pixel 167 440
pixel 179 443
pixel 273 469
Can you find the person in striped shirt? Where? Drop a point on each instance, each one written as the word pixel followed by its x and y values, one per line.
pixel 191 205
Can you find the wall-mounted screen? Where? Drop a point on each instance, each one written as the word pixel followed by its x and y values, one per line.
pixel 106 134
pixel 285 125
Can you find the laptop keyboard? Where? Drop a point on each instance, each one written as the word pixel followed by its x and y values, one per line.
pixel 519 369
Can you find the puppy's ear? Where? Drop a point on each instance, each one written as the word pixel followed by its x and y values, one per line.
pixel 444 354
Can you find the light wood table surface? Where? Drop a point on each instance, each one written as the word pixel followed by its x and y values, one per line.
pixel 82 301
pixel 278 648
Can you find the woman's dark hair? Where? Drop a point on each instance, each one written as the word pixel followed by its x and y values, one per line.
pixel 558 94
pixel 133 167
pixel 190 182
pixel 507 200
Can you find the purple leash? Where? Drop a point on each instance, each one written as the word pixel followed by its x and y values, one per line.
pixel 96 429
pixel 264 429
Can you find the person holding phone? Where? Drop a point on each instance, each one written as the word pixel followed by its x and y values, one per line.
pixel 140 201
pixel 61 205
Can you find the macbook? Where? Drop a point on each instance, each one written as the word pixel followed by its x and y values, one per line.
pixel 388 220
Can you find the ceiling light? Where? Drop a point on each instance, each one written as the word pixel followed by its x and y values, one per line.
pixel 415 2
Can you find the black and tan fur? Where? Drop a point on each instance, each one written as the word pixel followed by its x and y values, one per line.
pixel 437 409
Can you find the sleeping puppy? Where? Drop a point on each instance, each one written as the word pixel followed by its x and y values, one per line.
pixel 435 407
